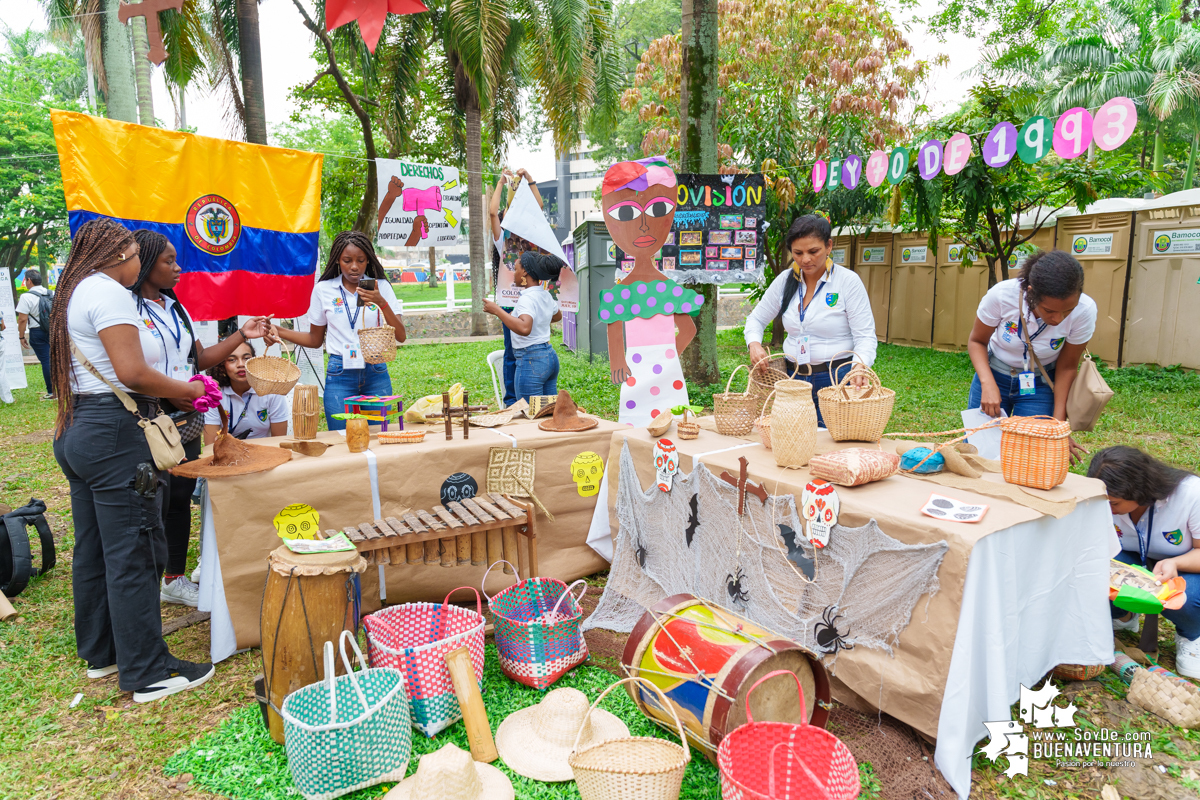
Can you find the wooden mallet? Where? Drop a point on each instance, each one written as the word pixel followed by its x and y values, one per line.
pixel 466 688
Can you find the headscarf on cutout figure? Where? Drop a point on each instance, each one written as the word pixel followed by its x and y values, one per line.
pixel 643 310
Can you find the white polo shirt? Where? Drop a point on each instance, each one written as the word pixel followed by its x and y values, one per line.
pixel 338 310
pixel 249 412
pixel 839 317
pixel 165 337
pixel 998 309
pixel 541 306
pixel 98 302
pixel 1176 523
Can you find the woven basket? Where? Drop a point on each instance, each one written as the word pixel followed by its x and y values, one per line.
pixel 1078 672
pixel 1035 451
pixel 763 377
pixel 1173 699
pixel 734 413
pixel 856 419
pixel 688 430
pixel 378 345
pixel 642 767
pixel 794 419
pixel 401 437
pixel 271 374
pixel 763 423
pixel 817 765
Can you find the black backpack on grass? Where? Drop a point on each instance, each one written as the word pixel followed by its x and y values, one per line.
pixel 16 557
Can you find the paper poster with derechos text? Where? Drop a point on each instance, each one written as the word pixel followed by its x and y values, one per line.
pixel 420 205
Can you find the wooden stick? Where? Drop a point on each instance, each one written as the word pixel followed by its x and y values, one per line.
pixel 449 418
pixel 509 539
pixel 475 719
pixel 466 415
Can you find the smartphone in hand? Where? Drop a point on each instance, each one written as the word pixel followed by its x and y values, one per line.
pixel 365 283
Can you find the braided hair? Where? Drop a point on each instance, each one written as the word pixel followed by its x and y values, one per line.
pixel 333 268
pixel 96 243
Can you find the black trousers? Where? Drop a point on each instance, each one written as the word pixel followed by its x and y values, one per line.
pixel 39 342
pixel 120 548
pixel 177 512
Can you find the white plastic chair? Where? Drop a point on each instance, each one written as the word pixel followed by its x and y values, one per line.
pixel 494 357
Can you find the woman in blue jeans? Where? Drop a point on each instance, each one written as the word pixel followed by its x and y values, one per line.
pixel 340 308
pixel 1030 333
pixel 529 321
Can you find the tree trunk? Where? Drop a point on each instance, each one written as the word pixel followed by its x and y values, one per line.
pixel 121 100
pixel 1157 165
pixel 141 71
pixel 45 273
pixel 1189 177
pixel 252 80
pixel 433 268
pixel 479 221
pixel 698 154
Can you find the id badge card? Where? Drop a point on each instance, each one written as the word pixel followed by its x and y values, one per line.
pixel 802 354
pixel 352 357
pixel 1025 379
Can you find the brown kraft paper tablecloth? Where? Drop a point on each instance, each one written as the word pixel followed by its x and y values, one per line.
pixel 337 485
pixel 910 685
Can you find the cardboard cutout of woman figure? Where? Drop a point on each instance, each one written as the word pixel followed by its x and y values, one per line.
pixel 644 309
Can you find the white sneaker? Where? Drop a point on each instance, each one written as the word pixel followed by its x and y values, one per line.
pixel 180 591
pixel 1187 656
pixel 95 673
pixel 196 572
pixel 1134 623
pixel 186 675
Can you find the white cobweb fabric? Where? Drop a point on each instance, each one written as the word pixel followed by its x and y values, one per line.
pixel 866 579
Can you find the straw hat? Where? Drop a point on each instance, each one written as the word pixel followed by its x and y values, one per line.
pixel 233 457
pixel 566 416
pixel 451 774
pixel 536 741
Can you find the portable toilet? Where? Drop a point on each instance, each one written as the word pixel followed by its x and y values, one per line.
pixel 958 290
pixel 596 269
pixel 1101 238
pixel 1164 282
pixel 844 241
pixel 873 263
pixel 914 272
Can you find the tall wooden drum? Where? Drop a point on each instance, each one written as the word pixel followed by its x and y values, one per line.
pixel 308 600
pixel 705 659
pixel 306 411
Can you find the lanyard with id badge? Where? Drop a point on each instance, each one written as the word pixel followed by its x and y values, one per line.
pixel 803 354
pixel 1026 378
pixel 352 357
pixel 176 369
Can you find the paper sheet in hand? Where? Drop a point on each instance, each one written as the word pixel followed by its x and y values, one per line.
pixel 941 507
pixel 525 218
pixel 987 442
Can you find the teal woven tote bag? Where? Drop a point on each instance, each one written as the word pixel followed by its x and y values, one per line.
pixel 348 732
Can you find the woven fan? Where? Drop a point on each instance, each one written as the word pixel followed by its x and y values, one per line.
pixel 511 471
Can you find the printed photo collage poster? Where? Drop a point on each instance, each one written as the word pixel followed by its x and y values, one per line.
pixel 420 205
pixel 720 228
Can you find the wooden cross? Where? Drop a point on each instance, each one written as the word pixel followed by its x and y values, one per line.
pixel 450 412
pixel 744 485
pixel 150 10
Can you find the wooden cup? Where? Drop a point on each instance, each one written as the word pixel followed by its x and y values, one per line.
pixel 358 435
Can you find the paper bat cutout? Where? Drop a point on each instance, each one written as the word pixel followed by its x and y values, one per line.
pixel 693 519
pixel 795 552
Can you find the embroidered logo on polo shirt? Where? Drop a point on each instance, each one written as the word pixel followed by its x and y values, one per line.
pixel 262 414
pixel 1173 537
pixel 1119 534
pixel 1057 343
pixel 1011 327
pixel 831 299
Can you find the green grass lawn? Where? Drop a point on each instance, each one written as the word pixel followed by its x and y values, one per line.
pixel 422 293
pixel 105 747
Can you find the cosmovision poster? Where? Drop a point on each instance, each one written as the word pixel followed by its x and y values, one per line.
pixel 420 205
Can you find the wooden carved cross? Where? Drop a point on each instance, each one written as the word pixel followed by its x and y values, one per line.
pixel 149 9
pixel 743 485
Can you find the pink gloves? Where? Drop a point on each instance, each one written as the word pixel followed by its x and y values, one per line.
pixel 212 394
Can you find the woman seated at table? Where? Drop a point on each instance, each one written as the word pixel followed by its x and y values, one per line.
pixel 1044 306
pixel 250 416
pixel 335 309
pixel 1156 510
pixel 820 334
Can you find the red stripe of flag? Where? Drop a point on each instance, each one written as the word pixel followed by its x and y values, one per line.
pixel 218 295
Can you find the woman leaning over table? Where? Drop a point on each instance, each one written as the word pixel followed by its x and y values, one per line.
pixel 120 548
pixel 823 307
pixel 1156 510
pixel 1044 306
pixel 336 317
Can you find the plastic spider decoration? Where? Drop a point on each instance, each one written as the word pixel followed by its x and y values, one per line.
pixel 733 585
pixel 639 553
pixel 829 639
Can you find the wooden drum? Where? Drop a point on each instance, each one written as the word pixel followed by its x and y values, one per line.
pixel 308 600
pixel 306 412
pixel 705 659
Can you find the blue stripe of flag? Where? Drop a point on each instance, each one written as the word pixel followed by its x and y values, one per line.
pixel 258 250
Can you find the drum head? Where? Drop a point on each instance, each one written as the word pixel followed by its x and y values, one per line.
pixel 284 561
pixel 776 700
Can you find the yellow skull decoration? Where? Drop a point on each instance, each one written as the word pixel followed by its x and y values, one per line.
pixel 586 471
pixel 297 521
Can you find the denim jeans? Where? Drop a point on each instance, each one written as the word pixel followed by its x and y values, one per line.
pixel 39 342
pixel 510 368
pixel 819 380
pixel 1187 619
pixel 1011 400
pixel 120 547
pixel 537 371
pixel 342 383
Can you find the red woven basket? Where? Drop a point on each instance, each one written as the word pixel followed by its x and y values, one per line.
pixel 803 762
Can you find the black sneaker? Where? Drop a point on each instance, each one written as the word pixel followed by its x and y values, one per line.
pixel 186 675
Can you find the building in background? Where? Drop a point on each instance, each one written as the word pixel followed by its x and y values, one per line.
pixel 585 176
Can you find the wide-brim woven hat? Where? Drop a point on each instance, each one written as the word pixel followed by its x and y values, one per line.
pixel 536 741
pixel 232 457
pixel 566 416
pixel 451 774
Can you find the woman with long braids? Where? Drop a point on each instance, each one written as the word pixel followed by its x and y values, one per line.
pixel 172 348
pixel 340 307
pixel 1027 329
pixel 120 547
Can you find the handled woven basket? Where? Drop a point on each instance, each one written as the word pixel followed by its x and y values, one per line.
pixel 378 345
pixel 642 767
pixel 272 374
pixel 1078 672
pixel 1035 451
pixel 734 413
pixel 855 419
pixel 763 423
pixel 763 377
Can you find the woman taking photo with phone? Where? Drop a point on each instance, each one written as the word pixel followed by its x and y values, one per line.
pixel 353 293
pixel 120 547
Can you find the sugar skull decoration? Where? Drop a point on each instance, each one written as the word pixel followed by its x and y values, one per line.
pixel 819 505
pixel 666 463
pixel 297 521
pixel 458 486
pixel 586 471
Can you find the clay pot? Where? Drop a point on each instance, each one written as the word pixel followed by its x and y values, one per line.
pixel 358 435
pixel 793 423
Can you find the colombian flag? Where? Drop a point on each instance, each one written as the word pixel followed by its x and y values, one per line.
pixel 244 218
